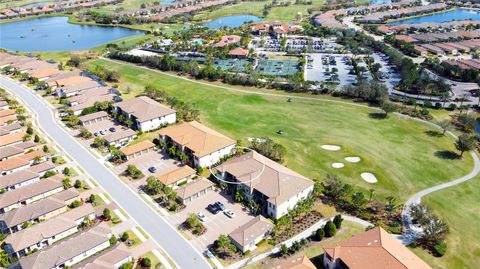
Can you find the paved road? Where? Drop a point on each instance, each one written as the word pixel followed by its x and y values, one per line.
pixel 184 255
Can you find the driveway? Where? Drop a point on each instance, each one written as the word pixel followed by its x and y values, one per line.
pixel 164 234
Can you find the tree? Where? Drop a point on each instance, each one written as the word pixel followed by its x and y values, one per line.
pixel 330 229
pixel 240 196
pixel 337 220
pixel 45 148
pixel 464 143
pixel 84 133
pixel 154 186
pixel 319 234
pixel 67 171
pixel 146 263
pixel 224 244
pixel 434 231
pixel 113 240
pixel 391 204
pixel 92 198
pixel 388 107
pixel 133 172
pixel 192 221
pixel 30 130
pixel 99 142
pixel 106 213
pixel 440 249
pixel 358 201
pixel 67 183
pixel 125 236
pixel 78 184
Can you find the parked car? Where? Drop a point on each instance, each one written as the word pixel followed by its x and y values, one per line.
pixel 229 213
pixel 112 129
pixel 213 209
pixel 201 216
pixel 152 169
pixel 208 254
pixel 220 206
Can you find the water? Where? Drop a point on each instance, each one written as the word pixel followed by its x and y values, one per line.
pixel 231 21
pixel 56 34
pixel 380 1
pixel 38 4
pixel 457 14
pixel 167 2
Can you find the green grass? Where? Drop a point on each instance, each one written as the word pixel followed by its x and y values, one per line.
pixel 315 250
pixel 399 151
pixel 132 236
pixel 153 259
pixel 459 207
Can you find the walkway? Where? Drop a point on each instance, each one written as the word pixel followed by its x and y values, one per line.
pixel 163 233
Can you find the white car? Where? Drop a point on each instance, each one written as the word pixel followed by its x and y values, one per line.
pixel 201 216
pixel 229 213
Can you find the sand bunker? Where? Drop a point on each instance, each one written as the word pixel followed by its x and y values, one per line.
pixel 331 147
pixel 352 159
pixel 369 177
pixel 338 165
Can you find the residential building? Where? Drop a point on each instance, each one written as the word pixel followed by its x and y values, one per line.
pixel 20 162
pixel 12 221
pixel 275 187
pixel 48 232
pixel 69 252
pixel 204 146
pixel 120 136
pixel 138 149
pixel 297 263
pixel 93 118
pixel 227 40
pixel 113 258
pixel 11 139
pixel 10 129
pixel 177 177
pixel 24 177
pixel 247 236
pixel 188 192
pixel 16 149
pixel 374 249
pixel 77 88
pixel 146 113
pixel 238 53
pixel 31 193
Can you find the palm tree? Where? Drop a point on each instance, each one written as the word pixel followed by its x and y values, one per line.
pixel 184 158
pixel 370 194
pixel 240 196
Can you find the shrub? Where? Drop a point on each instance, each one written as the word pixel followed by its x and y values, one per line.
pixel 338 221
pixel 125 236
pixel 106 213
pixel 113 240
pixel 36 139
pixel 330 229
pixel 319 234
pixel 146 262
pixel 440 249
pixel 77 184
pixel 283 249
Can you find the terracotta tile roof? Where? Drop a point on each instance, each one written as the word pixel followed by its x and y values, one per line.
pixel 35 210
pixel 143 145
pixel 6 119
pixel 71 81
pixel 144 108
pixel 227 40
pixel 43 73
pixel 274 180
pixel 296 263
pixel 16 149
pixel 251 230
pixel 11 138
pixel 6 112
pixel 176 175
pixel 375 249
pixel 193 188
pixel 42 167
pixel 13 163
pixel 200 139
pixel 238 52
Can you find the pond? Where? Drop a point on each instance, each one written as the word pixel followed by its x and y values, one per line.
pixel 56 34
pixel 452 15
pixel 231 21
pixel 38 4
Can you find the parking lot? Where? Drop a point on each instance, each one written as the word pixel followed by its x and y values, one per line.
pixel 102 128
pixel 157 159
pixel 216 224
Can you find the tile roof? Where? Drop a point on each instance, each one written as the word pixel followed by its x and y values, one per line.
pixel 143 145
pixel 7 129
pixel 120 134
pixel 16 149
pixel 176 175
pixel 11 138
pixel 274 180
pixel 200 139
pixel 296 263
pixel 67 249
pixel 29 191
pixel 93 116
pixel 193 188
pixel 375 249
pixel 144 108
pixel 250 231
pixel 49 228
pixel 110 258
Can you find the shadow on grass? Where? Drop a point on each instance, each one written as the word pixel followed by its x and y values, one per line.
pixel 447 154
pixel 434 133
pixel 377 115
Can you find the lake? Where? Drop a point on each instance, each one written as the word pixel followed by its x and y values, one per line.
pixel 56 34
pixel 457 14
pixel 38 4
pixel 231 21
